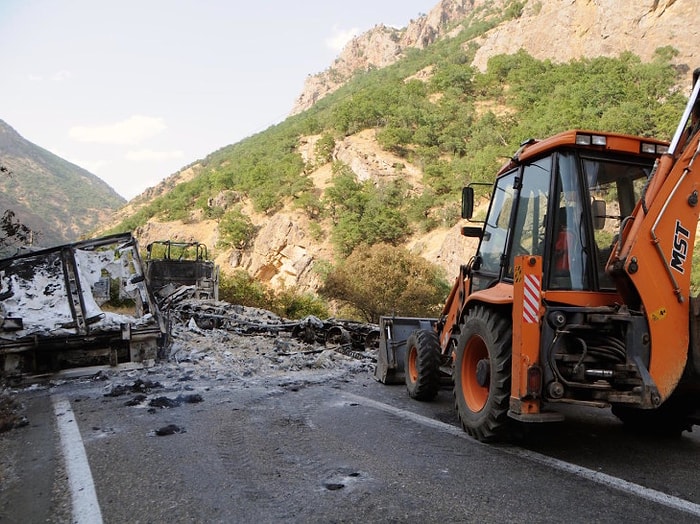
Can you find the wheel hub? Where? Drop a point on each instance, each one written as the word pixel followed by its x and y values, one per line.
pixel 483 372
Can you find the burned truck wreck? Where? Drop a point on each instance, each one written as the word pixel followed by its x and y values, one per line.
pixel 175 270
pixel 97 303
pixel 76 305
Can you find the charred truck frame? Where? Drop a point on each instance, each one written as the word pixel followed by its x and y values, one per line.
pixel 77 305
pixel 171 265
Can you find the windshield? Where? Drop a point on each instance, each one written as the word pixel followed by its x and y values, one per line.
pixel 497 224
pixel 614 188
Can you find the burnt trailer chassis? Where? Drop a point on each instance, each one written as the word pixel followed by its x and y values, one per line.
pixel 355 339
pixel 180 264
pixel 52 315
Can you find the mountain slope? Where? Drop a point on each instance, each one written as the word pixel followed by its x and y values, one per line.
pixel 382 46
pixel 380 156
pixel 58 200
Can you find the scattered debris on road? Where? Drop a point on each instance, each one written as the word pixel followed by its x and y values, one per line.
pixel 170 429
pixel 139 386
pixel 343 334
pixel 167 402
pixel 11 415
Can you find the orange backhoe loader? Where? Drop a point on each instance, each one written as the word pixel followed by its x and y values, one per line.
pixel 579 291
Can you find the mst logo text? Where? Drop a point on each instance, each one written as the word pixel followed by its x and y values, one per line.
pixel 680 247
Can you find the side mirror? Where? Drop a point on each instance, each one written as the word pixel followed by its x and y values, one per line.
pixel 599 213
pixel 467 202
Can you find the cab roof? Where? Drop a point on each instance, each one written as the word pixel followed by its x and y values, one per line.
pixel 597 141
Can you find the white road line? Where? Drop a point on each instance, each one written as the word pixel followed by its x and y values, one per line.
pixel 618 484
pixel 86 509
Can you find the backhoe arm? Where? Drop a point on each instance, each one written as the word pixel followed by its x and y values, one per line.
pixel 651 263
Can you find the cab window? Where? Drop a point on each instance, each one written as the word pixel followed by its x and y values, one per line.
pixel 493 242
pixel 530 219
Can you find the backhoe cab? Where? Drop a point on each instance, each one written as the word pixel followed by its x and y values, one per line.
pixel 578 292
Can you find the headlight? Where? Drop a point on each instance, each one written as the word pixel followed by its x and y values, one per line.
pixel 583 140
pixel 588 140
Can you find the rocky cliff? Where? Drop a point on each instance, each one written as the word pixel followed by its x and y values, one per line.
pixel 562 30
pixel 382 46
pixel 285 248
pixel 559 30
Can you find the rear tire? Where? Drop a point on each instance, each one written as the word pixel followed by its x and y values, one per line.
pixel 422 365
pixel 482 374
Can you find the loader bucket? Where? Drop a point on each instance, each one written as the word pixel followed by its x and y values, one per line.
pixel 394 332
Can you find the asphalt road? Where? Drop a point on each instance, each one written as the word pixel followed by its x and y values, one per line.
pixel 335 450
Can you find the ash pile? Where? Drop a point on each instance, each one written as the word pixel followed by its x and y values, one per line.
pixel 223 341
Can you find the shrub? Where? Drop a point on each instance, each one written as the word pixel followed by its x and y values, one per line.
pixel 363 212
pixel 323 150
pixel 235 230
pixel 293 304
pixel 241 288
pixel 383 280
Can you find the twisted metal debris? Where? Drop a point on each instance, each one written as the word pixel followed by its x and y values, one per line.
pixel 351 338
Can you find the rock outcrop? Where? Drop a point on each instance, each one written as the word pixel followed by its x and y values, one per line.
pixel 559 30
pixel 562 30
pixel 382 46
pixel 282 254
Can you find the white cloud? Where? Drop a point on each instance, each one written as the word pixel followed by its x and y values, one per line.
pixel 61 76
pixel 148 155
pixel 336 42
pixel 131 131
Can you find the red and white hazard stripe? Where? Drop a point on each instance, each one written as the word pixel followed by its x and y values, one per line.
pixel 531 299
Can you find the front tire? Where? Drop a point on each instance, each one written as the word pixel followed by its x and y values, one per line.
pixel 482 374
pixel 422 365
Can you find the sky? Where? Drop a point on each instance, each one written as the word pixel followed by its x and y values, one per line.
pixel 134 90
